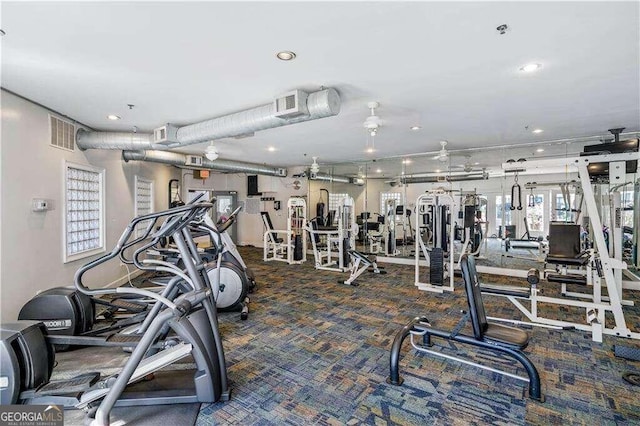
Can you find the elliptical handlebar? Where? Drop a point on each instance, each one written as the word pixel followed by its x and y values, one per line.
pixel 230 220
pixel 177 218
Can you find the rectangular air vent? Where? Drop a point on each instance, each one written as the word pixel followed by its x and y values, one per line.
pixel 62 133
pixel 194 160
pixel 166 135
pixel 291 105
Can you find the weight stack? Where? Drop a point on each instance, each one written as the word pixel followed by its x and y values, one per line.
pixel 297 248
pixel 436 266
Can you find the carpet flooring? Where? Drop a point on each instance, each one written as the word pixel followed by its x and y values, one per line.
pixel 317 352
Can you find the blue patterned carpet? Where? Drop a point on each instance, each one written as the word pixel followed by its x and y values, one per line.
pixel 317 352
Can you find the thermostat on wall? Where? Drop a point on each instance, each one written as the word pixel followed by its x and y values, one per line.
pixel 39 205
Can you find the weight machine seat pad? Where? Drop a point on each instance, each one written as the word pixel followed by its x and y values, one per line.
pixel 567 279
pixel 327 228
pixel 560 260
pixel 504 290
pixel 361 256
pixel 504 335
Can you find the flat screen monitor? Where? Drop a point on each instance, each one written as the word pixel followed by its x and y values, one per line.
pixel 602 169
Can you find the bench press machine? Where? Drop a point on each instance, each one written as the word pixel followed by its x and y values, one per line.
pixel 504 340
pixel 595 306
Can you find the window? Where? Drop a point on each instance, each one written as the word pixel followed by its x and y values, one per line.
pixel 535 212
pixel 561 212
pixel 335 200
pixel 143 201
pixel 384 196
pixel 83 211
pixel 503 212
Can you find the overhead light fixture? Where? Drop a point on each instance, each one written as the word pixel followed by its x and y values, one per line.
pixel 271 149
pixel 370 150
pixel 113 117
pixel 536 131
pixel 530 67
pixel 211 152
pixel 414 128
pixel 540 150
pixel 437 170
pixel 315 167
pixel 378 171
pixel 286 55
pixel 406 161
pixel 476 163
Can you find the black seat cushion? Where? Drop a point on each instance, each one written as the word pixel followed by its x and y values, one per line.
pixel 506 336
pixel 561 260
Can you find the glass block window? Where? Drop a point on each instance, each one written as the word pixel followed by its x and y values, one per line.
pixel 143 201
pixel 84 211
pixel 335 199
pixel 384 196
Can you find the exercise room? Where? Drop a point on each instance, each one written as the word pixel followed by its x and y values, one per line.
pixel 335 213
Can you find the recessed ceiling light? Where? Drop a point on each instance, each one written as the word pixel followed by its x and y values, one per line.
pixel 286 55
pixel 416 127
pixel 406 161
pixel 378 171
pixel 530 67
pixel 370 150
pixel 437 170
pixel 536 131
pixel 113 117
pixel 271 149
pixel 476 163
pixel 540 150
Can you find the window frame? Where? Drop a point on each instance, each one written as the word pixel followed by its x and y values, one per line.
pixel 67 165
pixel 384 196
pixel 136 212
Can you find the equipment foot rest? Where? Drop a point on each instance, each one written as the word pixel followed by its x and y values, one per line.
pixel 75 385
pixel 124 338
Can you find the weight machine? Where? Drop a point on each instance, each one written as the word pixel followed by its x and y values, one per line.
pixel 293 247
pixel 435 240
pixel 472 236
pixel 606 270
pixel 390 248
pixel 331 244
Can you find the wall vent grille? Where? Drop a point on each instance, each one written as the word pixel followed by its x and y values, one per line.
pixel 62 133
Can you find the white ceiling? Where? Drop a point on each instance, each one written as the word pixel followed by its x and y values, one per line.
pixel 442 66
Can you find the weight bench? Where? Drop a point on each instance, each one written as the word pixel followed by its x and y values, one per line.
pixel 498 338
pixel 360 263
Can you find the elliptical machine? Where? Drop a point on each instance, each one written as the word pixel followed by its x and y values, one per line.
pixel 28 357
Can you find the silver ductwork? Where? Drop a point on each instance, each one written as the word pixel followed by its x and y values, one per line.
pixel 86 139
pixel 324 103
pixel 407 180
pixel 321 104
pixel 182 160
pixel 326 177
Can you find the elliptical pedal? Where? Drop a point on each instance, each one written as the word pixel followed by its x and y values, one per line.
pixel 75 385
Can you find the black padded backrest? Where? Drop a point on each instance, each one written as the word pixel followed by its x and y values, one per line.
pixel 564 240
pixel 474 296
pixel 314 226
pixel 330 217
pixel 267 221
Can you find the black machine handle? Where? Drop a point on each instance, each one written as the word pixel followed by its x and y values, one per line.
pixel 165 230
pixel 186 211
pixel 230 220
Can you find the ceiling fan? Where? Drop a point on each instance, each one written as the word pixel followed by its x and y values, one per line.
pixel 469 166
pixel 443 155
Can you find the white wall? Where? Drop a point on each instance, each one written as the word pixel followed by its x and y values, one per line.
pixel 32 242
pixel 250 227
